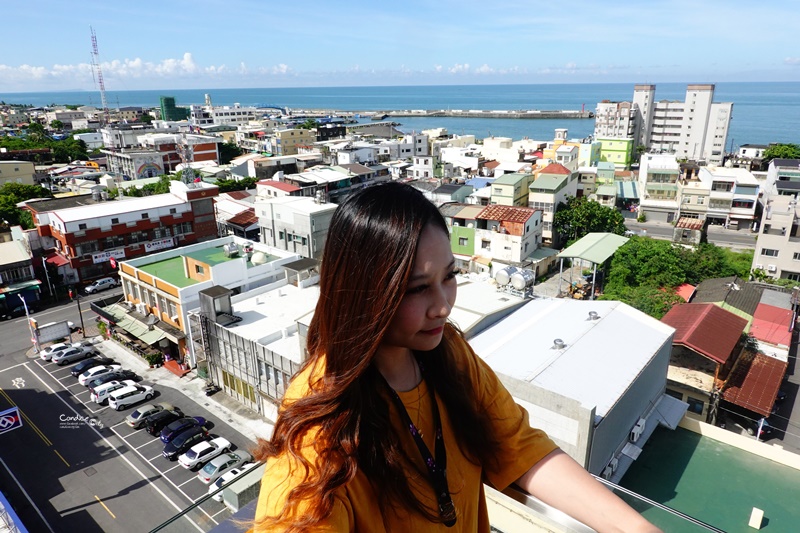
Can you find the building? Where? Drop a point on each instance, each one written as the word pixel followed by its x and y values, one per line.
pixel 86 231
pixel 733 196
pixel 236 115
pixel 166 285
pixel 783 177
pixel 170 112
pixel 16 172
pixel 616 151
pixel 287 141
pixel 554 185
pixel 777 252
pixel 615 120
pixel 511 189
pixel 17 277
pixel 696 128
pixel 295 224
pixel 658 186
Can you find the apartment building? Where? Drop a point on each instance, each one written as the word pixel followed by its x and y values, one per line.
pixel 659 187
pixel 554 185
pixel 783 177
pixel 286 141
pixel 296 224
pixel 17 276
pixel 733 196
pixel 236 115
pixel 511 189
pixel 778 243
pixel 614 120
pixel 160 289
pixel 84 232
pixel 617 151
pixel 16 172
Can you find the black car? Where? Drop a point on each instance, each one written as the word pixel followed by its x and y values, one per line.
pixel 750 422
pixel 83 366
pixel 116 375
pixel 184 441
pixel 155 423
pixel 179 426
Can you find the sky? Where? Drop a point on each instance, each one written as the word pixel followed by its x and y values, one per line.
pixel 202 44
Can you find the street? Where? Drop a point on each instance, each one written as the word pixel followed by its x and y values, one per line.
pixel 738 240
pixel 75 465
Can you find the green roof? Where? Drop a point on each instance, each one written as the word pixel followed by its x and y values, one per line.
pixel 210 256
pixel 169 270
pixel 595 247
pixel 549 182
pixel 607 190
pixel 510 179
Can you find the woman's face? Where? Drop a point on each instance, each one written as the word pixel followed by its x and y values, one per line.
pixel 431 292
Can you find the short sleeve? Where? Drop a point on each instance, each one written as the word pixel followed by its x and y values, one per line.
pixel 520 445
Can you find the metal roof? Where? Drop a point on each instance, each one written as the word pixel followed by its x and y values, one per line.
pixel 754 385
pixel 706 329
pixel 595 247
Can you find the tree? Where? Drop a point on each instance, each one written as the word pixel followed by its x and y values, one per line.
pixel 56 125
pixel 653 301
pixel 643 261
pixel 708 261
pixel 580 216
pixel 781 151
pixel 146 118
pixel 228 151
pixel 309 124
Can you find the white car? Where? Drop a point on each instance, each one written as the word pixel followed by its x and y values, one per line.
pixel 120 399
pixel 103 392
pixel 228 476
pixel 221 464
pixel 53 349
pixel 203 452
pixel 101 285
pixel 96 372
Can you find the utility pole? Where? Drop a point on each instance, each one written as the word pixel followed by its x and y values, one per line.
pixel 34 339
pixel 74 293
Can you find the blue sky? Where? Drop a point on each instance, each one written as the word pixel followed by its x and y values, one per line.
pixel 259 43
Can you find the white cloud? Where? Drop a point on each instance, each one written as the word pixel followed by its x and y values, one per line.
pixel 484 69
pixel 458 68
pixel 792 60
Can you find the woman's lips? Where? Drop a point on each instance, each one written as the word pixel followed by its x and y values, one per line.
pixel 434 331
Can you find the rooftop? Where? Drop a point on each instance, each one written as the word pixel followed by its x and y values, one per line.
pixel 555 168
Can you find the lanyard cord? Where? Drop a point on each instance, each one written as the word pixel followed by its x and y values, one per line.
pixel 437 466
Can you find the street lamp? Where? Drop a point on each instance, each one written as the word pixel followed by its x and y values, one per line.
pixel 34 339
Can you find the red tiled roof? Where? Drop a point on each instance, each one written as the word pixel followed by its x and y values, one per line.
pixel 689 223
pixel 706 328
pixel 238 195
pixel 244 219
pixel 56 259
pixel 506 213
pixel 685 291
pixel 555 168
pixel 771 324
pixel 492 164
pixel 755 385
pixel 280 185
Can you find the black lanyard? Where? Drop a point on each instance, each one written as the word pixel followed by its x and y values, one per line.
pixel 437 466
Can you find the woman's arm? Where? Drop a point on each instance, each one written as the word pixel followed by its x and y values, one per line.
pixel 564 484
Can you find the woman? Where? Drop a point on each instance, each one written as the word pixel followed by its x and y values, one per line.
pixel 393 423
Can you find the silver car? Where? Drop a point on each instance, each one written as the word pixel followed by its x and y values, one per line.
pixel 137 417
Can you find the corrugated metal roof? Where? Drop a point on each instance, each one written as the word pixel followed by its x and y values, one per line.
pixel 754 384
pixel 606 190
pixel 690 223
pixel 706 328
pixel 629 190
pixel 595 247
pixel 772 324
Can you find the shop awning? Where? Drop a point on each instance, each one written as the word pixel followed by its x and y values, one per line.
pixel 140 330
pixel 15 288
pixel 56 259
pixel 629 190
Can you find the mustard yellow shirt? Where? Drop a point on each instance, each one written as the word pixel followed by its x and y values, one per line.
pixel 355 508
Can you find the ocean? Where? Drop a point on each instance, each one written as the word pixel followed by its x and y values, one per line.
pixel 763 112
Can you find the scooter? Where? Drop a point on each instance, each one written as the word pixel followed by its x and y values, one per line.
pixel 212 389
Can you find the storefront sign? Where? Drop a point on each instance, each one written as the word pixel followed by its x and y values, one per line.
pixel 102 257
pixel 160 244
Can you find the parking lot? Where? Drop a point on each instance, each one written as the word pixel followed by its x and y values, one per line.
pixel 148 449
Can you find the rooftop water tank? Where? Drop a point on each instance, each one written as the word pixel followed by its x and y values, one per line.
pixel 522 279
pixel 503 277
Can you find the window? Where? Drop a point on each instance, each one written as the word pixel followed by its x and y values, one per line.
pixel 695 405
pixel 199 269
pixel 485 244
pixel 115 221
pixel 769 252
pixel 794 276
pixel 172 210
pixel 463 241
pixel 700 200
pixel 145 216
pixel 81 227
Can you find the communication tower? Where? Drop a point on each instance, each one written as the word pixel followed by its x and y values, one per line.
pixel 99 77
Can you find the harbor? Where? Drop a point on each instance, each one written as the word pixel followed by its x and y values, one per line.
pixel 351 116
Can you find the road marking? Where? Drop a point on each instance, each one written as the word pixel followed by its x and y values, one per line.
pixel 218 512
pixel 105 506
pixel 133 467
pixel 119 424
pixel 193 478
pixel 141 445
pixel 154 458
pixel 27 419
pixel 26 495
pixel 60 457
pixel 13 367
pixel 171 469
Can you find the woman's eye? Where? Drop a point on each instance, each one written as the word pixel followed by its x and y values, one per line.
pixel 417 290
pixel 452 274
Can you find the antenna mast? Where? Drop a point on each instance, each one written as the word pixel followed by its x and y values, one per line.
pixel 96 68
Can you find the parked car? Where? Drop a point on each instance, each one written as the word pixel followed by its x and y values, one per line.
pixel 204 452
pixel 83 366
pixel 72 354
pixel 18 311
pixel 226 478
pixel 174 428
pixel 155 423
pixel 100 395
pixel 95 372
pixel 137 418
pixel 219 465
pixel 101 285
pixel 749 422
pixel 110 376
pixel 120 399
pixel 47 353
pixel 184 441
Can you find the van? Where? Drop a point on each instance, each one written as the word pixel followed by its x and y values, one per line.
pixel 101 393
pixel 100 285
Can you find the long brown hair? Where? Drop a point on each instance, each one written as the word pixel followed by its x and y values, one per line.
pixel 368 258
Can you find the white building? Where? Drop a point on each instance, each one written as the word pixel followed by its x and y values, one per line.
pixel 658 183
pixel 778 245
pixel 615 120
pixel 294 223
pixel 733 195
pixel 235 115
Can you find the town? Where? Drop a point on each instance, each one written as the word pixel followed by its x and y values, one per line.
pixel 633 287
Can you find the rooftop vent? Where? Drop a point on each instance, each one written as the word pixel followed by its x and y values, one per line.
pixel 559 344
pixel 593 315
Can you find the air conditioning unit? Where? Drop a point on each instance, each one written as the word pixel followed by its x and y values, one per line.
pixel 772 268
pixel 637 430
pixel 141 308
pixel 174 318
pixel 759 266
